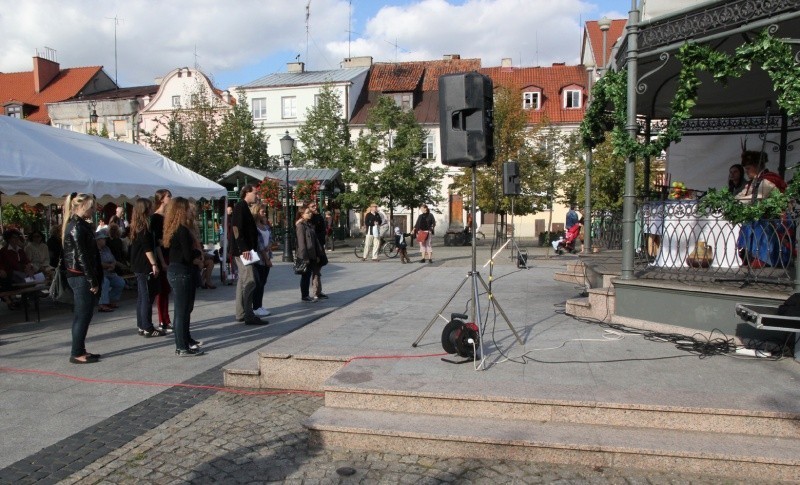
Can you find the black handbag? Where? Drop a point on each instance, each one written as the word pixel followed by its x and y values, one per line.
pixel 60 290
pixel 300 266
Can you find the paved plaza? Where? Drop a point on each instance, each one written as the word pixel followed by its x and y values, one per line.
pixel 143 415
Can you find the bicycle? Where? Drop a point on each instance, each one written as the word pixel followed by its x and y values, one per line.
pixel 388 249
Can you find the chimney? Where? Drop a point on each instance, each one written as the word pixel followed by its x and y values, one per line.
pixel 363 61
pixel 296 67
pixel 44 71
pixel 557 64
pixel 451 57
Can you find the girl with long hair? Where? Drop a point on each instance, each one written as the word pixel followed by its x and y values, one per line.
pixel 309 250
pixel 84 272
pixel 161 199
pixel 145 266
pixel 183 256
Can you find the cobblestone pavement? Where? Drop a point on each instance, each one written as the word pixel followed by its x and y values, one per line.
pixel 232 438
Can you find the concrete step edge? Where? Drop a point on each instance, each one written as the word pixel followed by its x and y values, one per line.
pixel 718 420
pixel 584 437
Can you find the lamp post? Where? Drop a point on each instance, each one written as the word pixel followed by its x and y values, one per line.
pixel 93 112
pixel 287 144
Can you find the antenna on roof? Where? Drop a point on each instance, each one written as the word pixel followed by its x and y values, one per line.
pixel 49 54
pixel 116 22
pixel 308 15
pixel 349 25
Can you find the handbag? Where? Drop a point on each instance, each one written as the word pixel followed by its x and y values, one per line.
pixel 422 236
pixel 60 290
pixel 300 266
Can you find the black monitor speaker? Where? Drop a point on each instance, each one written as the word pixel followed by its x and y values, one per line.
pixel 511 178
pixel 465 119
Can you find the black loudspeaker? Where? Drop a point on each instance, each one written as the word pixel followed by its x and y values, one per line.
pixel 511 178
pixel 465 119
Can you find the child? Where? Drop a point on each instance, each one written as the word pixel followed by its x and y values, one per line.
pixel 400 243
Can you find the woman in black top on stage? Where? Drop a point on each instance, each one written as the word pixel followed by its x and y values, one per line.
pixel 183 256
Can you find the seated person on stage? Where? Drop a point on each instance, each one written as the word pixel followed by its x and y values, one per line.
pixel 763 242
pixel 13 256
pixel 112 284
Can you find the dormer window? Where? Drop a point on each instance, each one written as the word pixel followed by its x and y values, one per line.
pixel 405 101
pixel 572 98
pixel 531 100
pixel 14 110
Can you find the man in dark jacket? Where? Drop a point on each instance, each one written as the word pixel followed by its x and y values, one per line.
pixel 245 242
pixel 372 224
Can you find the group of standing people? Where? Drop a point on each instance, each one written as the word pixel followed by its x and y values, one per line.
pixel 165 253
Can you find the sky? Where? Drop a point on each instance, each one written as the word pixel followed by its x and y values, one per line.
pixel 237 41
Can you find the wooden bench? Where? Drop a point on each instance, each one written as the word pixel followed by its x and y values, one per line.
pixel 25 292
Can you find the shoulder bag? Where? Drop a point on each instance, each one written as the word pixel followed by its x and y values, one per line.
pixel 60 290
pixel 300 266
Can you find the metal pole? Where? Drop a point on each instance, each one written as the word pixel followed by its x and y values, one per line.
pixel 475 308
pixel 587 189
pixel 287 249
pixel 628 203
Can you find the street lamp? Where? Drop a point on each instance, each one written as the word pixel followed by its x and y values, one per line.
pixel 92 112
pixel 287 144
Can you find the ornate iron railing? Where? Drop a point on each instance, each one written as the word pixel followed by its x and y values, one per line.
pixel 677 240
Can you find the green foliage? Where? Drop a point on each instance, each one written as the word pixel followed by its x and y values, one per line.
pixel 324 138
pixel 772 207
pixel 198 139
pixel 388 161
pixel 773 54
pixel 23 216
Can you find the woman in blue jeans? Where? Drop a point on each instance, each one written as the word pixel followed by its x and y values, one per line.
pixel 145 266
pixel 84 273
pixel 183 256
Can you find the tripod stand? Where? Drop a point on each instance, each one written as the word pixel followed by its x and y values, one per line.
pixel 513 240
pixel 474 277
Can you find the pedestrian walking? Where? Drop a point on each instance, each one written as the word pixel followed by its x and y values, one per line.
pixel 372 224
pixel 84 272
pixel 423 232
pixel 263 266
pixel 319 229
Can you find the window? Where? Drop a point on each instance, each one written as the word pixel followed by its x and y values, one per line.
pixel 530 100
pixel 289 107
pixel 259 108
pixel 176 101
pixel 572 99
pixel 14 111
pixel 64 126
pixel 120 128
pixel 195 99
pixel 317 97
pixel 404 100
pixel 427 148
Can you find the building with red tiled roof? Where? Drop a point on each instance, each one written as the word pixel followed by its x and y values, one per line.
pixel 26 94
pixel 557 93
pixel 592 46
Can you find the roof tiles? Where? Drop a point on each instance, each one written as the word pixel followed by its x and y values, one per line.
pixel 19 86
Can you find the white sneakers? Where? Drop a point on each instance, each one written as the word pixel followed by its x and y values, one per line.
pixel 261 312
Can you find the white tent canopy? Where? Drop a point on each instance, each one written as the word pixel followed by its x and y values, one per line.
pixel 40 163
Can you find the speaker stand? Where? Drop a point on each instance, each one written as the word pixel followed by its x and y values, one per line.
pixel 474 277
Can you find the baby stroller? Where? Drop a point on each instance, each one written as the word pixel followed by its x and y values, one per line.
pixel 567 243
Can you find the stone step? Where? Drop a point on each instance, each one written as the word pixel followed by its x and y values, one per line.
pixel 539 410
pixel 598 305
pixel 571 277
pixel 738 456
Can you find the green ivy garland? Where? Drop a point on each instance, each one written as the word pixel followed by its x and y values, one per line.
pixel 774 55
pixel 776 59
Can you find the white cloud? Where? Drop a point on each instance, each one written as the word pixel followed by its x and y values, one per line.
pixel 240 40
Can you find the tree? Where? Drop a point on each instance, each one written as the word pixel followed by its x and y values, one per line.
pixel 324 138
pixel 392 144
pixel 205 141
pixel 509 141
